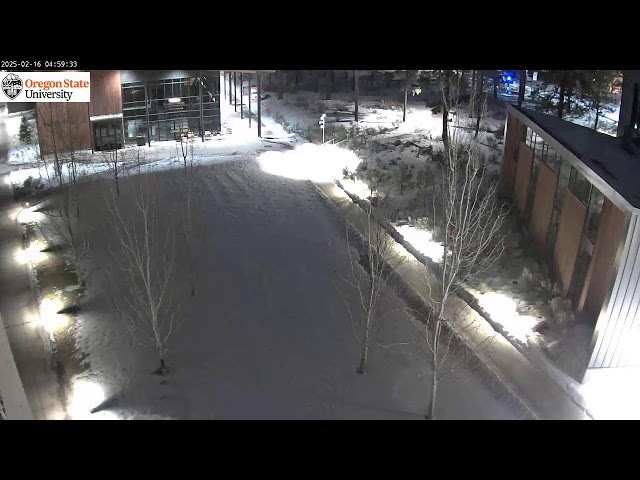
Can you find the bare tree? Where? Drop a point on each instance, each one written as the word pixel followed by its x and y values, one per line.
pixel 52 120
pixel 139 157
pixel 378 261
pixel 115 161
pixel 469 219
pixel 60 227
pixel 191 169
pixel 60 126
pixel 184 151
pixel 146 259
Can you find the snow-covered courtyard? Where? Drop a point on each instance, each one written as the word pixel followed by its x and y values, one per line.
pixel 267 335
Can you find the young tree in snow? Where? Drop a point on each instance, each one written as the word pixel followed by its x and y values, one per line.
pixel 61 226
pixel 52 120
pixel 25 134
pixel 191 169
pixel 115 160
pixel 60 124
pixel 369 276
pixel 468 219
pixel 138 157
pixel 403 176
pixel 424 181
pixel 145 255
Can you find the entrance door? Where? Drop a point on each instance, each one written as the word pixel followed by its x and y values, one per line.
pixel 107 134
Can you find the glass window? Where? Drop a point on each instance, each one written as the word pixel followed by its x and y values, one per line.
pixel 580 186
pixel 580 271
pixel 563 183
pixel 553 160
pixel 593 216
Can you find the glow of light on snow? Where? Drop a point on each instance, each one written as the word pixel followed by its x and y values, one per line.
pixel 49 317
pixel 422 240
pixel 87 395
pixel 30 255
pixel 27 215
pixel 612 393
pixel 309 162
pixel 356 187
pixel 502 309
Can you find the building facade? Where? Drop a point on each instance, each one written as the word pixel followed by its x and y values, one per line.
pixel 131 107
pixel 577 194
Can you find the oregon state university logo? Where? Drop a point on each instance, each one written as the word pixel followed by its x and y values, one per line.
pixel 12 85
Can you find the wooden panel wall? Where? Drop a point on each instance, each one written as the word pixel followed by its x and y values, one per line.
pixel 508 161
pixel 523 175
pixel 65 124
pixel 106 92
pixel 598 281
pixel 568 239
pixel 545 192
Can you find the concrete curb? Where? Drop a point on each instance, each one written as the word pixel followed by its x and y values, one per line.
pixel 533 356
pixel 64 386
pixel 415 300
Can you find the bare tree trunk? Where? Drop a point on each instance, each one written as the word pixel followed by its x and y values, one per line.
pixel 563 89
pixel 381 260
pixel 329 85
pixel 363 357
pixel 404 104
pixel 445 111
pixel 435 348
pixel 472 97
pixel 595 126
pixel 356 94
pixel 522 86
pixel 117 173
pixel 495 86
pixel 280 75
pixel 479 102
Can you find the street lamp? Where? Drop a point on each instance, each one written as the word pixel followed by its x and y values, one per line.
pixel 321 123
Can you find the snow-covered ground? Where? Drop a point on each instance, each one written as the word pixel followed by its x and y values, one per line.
pixel 514 291
pixel 268 335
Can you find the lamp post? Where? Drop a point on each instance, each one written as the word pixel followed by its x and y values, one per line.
pixel 321 123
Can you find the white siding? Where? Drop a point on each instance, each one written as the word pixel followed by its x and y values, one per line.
pixel 618 329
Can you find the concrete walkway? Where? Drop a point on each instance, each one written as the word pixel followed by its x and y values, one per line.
pixel 19 310
pixel 538 393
